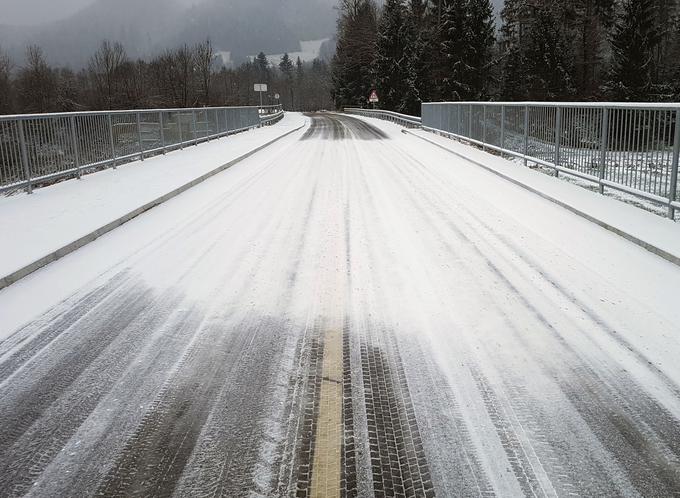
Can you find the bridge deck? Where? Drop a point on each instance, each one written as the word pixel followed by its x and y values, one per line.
pixel 345 314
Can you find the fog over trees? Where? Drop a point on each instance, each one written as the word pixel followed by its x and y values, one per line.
pixel 146 28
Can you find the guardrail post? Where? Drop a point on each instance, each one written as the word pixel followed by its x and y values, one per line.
pixel 458 128
pixel 484 128
pixel 162 126
pixel 558 140
pixel 502 127
pixel 193 120
pixel 526 134
pixel 673 191
pixel 113 143
pixel 470 123
pixel 226 121
pixel 24 156
pixel 74 143
pixel 139 137
pixel 604 138
pixel 179 131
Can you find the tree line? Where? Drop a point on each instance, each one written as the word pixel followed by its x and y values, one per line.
pixel 414 51
pixel 187 76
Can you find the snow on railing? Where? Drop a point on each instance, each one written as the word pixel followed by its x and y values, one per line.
pixel 629 147
pixel 395 117
pixel 271 114
pixel 38 149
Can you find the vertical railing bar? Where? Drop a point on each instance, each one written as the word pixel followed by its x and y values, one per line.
pixel 139 137
pixel 193 118
pixel 179 129
pixel 665 145
pixel 526 134
pixel 113 143
pixel 603 146
pixel 502 137
pixel 24 156
pixel 620 119
pixel 162 130
pixel 74 144
pixel 558 139
pixel 651 153
pixel 672 196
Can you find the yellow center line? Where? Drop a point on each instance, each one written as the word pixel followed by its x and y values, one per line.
pixel 326 471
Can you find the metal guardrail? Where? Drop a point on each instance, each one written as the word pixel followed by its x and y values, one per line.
pixel 394 117
pixel 38 149
pixel 632 148
pixel 271 114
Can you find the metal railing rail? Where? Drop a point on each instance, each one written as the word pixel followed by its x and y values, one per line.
pixel 394 117
pixel 633 148
pixel 36 149
pixel 271 109
pixel 271 114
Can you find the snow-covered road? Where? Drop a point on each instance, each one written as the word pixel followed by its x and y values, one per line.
pixel 351 312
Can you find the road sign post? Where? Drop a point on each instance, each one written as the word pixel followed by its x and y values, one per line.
pixel 260 87
pixel 373 99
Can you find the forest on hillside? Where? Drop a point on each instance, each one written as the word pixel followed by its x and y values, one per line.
pixel 414 51
pixel 186 76
pixel 410 51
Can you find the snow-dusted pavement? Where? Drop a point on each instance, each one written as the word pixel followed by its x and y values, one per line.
pixel 350 312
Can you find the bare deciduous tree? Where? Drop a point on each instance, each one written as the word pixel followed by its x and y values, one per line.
pixel 105 70
pixel 37 83
pixel 5 83
pixel 205 56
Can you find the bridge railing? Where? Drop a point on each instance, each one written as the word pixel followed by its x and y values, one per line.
pixel 41 148
pixel 632 148
pixel 271 114
pixel 394 117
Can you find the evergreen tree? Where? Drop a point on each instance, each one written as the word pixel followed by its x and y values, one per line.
pixel 633 43
pixel 353 62
pixel 481 30
pixel 452 72
pixel 262 67
pixel 390 66
pixel 286 66
pixel 514 82
pixel 588 22
pixel 665 65
pixel 299 81
pixel 549 62
pixel 421 54
pixel 463 43
pixel 417 55
pixel 537 51
pixel 287 70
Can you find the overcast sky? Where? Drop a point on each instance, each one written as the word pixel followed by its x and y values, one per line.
pixel 30 12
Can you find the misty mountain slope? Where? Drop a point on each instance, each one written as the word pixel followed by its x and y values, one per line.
pixel 146 27
pixel 249 26
pixel 141 26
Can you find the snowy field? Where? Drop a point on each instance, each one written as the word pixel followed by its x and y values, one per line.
pixel 480 340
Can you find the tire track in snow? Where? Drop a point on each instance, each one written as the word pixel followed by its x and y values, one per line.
pixel 668 437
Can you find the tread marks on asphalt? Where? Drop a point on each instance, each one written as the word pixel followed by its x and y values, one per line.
pixel 326 126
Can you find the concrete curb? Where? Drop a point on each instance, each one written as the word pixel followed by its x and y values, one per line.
pixel 92 236
pixel 670 257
